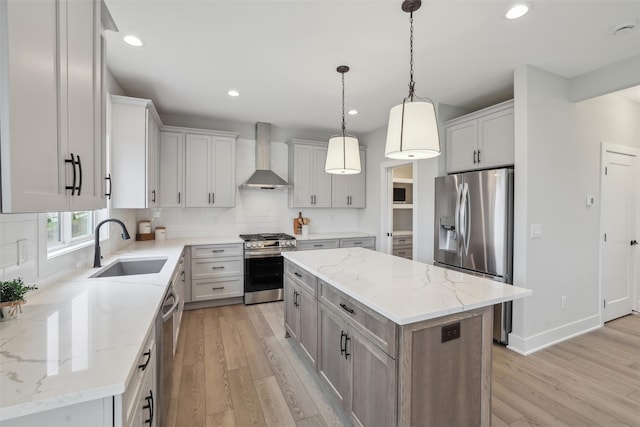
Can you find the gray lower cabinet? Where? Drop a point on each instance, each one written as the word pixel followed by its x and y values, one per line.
pixel 359 242
pixel 307 245
pixel 301 319
pixel 360 375
pixel 217 271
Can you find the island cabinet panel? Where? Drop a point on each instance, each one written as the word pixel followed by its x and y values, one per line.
pixel 301 317
pixel 361 375
pixel 438 378
pixel 373 375
pixel 333 365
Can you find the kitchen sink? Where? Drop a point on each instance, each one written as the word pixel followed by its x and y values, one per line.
pixel 130 267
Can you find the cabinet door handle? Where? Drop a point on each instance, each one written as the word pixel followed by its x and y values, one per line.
pixel 218 267
pixel 79 173
pixel 217 251
pixel 150 407
pixel 213 198
pixel 357 243
pixel 474 157
pixel 178 197
pixel 107 194
pixel 320 245
pixel 346 308
pixel 73 165
pixel 153 196
pixel 295 273
pixel 146 362
pixel 478 156
pixel 343 343
pixel 347 338
pixel 210 195
pixel 217 288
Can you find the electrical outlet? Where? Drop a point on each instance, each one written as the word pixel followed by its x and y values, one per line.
pixel 450 332
pixel 564 303
pixel 23 251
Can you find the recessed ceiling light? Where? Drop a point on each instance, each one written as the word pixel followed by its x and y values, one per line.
pixel 352 112
pixel 132 41
pixel 517 11
pixel 233 93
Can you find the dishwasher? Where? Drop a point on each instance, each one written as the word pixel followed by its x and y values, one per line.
pixel 164 341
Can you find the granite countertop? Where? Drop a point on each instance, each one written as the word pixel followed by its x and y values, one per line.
pixel 402 290
pixel 78 339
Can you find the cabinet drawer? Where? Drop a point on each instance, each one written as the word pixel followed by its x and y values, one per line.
pixel 208 267
pixel 362 242
pixel 306 245
pixel 378 328
pixel 404 252
pixel 402 240
pixel 207 251
pixel 219 287
pixel 301 277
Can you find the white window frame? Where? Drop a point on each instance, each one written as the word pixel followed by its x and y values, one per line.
pixel 69 244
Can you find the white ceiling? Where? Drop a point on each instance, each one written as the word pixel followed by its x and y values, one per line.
pixel 282 55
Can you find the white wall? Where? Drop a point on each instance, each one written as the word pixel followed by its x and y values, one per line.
pixel 557 158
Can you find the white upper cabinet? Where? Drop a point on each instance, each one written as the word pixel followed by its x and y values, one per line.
pixel 135 134
pixel 349 191
pixel 51 113
pixel 311 184
pixel 480 140
pixel 210 169
pixel 172 193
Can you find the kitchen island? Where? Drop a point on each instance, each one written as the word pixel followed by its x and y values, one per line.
pixel 396 341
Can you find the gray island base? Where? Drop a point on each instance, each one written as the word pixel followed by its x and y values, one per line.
pixel 396 342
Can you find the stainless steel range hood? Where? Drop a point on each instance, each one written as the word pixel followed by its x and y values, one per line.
pixel 264 177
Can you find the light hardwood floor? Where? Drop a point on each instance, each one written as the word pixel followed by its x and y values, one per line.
pixel 234 367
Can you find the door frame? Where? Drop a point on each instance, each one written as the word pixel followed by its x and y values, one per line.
pixel 386 203
pixel 623 149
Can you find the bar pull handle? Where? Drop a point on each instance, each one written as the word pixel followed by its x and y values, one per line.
pixel 295 273
pixel 79 173
pixel 343 343
pixel 217 288
pixel 216 251
pixel 346 308
pixel 73 165
pixel 178 197
pixel 478 156
pixel 153 196
pixel 347 338
pixel 146 362
pixel 108 193
pixel 217 267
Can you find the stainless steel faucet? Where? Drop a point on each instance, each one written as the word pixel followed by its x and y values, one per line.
pixel 125 236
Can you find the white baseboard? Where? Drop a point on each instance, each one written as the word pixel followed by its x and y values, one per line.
pixel 529 345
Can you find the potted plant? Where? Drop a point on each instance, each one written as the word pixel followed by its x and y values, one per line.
pixel 12 294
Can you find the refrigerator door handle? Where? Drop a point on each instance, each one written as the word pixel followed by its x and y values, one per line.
pixel 466 198
pixel 457 221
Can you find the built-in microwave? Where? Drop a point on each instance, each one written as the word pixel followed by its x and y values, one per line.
pixel 399 195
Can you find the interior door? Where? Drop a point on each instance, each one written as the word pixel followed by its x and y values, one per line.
pixel 619 186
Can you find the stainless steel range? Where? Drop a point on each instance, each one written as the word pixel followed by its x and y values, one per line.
pixel 264 266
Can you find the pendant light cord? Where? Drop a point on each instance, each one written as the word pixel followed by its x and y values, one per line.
pixel 344 143
pixel 411 82
pixel 343 126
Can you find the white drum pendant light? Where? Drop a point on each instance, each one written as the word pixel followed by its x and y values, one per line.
pixel 412 132
pixel 343 154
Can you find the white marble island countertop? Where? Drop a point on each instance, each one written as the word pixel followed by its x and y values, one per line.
pixel 402 290
pixel 78 339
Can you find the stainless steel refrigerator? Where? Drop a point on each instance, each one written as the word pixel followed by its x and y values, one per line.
pixel 474 230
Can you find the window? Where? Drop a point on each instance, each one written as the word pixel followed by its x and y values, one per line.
pixel 68 230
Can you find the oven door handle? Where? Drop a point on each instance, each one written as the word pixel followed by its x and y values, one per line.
pixel 176 301
pixel 256 254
